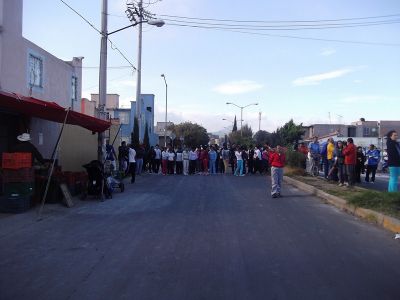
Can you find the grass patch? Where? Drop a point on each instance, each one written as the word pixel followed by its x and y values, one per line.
pixel 384 202
pixel 388 203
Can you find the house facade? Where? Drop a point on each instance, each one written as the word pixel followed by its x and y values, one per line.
pixel 29 70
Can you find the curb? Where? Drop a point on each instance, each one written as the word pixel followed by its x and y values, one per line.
pixel 387 222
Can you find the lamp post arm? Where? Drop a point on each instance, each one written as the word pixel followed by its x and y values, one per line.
pixel 123 28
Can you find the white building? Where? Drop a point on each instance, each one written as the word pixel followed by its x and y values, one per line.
pixel 27 69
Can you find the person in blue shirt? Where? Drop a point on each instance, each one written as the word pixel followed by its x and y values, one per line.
pixel 212 155
pixel 372 156
pixel 314 151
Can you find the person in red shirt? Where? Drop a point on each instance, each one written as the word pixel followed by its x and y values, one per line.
pixel 350 160
pixel 277 161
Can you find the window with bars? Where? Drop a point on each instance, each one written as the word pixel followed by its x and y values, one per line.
pixel 35 71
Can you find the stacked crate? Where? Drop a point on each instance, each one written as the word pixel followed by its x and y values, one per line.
pixel 18 182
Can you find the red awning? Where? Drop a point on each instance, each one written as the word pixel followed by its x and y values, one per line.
pixel 49 111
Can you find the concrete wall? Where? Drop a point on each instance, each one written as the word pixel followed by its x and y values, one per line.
pixel 75 137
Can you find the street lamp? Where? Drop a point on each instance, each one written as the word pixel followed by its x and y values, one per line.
pixel 166 107
pixel 103 53
pixel 241 113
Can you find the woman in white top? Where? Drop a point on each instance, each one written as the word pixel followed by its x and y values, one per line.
pixel 132 162
pixel 171 162
pixel 239 160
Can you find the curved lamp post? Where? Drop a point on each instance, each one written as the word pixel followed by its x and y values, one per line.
pixel 241 113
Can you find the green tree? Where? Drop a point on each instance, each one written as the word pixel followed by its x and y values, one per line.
pixel 192 133
pixel 290 133
pixel 146 139
pixel 135 133
pixel 234 128
pixel 262 137
pixel 242 137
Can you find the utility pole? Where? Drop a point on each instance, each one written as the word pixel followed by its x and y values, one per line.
pixel 102 76
pixel 259 121
pixel 139 68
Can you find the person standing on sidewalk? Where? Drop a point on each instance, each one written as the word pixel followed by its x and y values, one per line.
pixel 372 156
pixel 339 162
pixel 393 151
pixel 132 162
pixel 350 160
pixel 360 164
pixel 330 154
pixel 277 161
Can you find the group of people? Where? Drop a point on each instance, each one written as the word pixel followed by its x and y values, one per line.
pixel 344 162
pixel 203 160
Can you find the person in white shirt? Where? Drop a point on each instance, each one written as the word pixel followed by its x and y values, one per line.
pixel 239 161
pixel 193 156
pixel 132 163
pixel 257 160
pixel 171 161
pixel 185 157
pixel 164 161
pixel 157 159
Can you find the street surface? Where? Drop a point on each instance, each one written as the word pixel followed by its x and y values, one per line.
pixel 197 237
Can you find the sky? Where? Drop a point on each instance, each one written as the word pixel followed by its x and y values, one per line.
pixel 310 76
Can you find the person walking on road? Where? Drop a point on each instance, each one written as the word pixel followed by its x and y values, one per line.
pixel 350 160
pixel 372 157
pixel 277 161
pixel 132 162
pixel 393 151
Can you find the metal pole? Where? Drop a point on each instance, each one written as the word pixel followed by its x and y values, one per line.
pixel 53 157
pixel 259 121
pixel 102 75
pixel 138 112
pixel 241 121
pixel 166 110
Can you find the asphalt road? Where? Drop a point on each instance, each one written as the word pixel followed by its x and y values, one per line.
pixel 197 237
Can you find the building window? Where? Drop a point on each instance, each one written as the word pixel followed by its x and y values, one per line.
pixel 124 117
pixel 74 88
pixel 35 71
pixel 366 131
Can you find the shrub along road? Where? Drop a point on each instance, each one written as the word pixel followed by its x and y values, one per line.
pixel 197 237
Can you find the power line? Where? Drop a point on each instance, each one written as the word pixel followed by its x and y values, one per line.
pixel 113 46
pixel 284 27
pixel 289 36
pixel 112 67
pixel 280 21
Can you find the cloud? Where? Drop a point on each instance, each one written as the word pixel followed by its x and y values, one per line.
pixel 357 81
pixel 237 87
pixel 328 52
pixel 316 79
pixel 364 99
